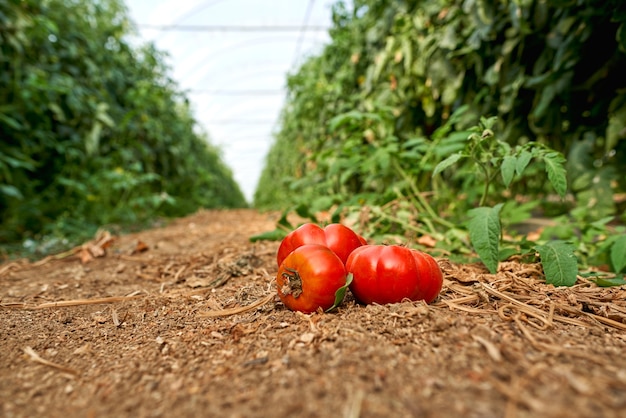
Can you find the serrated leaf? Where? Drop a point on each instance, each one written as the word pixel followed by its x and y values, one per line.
pixel 341 293
pixel 559 263
pixel 507 168
pixel 555 167
pixel 451 160
pixel 522 161
pixel 618 254
pixel 485 230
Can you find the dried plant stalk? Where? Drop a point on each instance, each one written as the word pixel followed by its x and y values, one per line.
pixel 36 358
pixel 238 310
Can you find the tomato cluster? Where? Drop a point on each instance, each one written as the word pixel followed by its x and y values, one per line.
pixel 317 264
pixel 339 238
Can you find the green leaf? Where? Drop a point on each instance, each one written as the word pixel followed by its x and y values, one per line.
pixel 304 211
pixel 555 167
pixel 283 227
pixel 276 235
pixel 319 204
pixel 284 222
pixel 451 160
pixel 618 254
pixel 559 263
pixel 614 281
pixel 546 97
pixel 620 36
pixel 12 191
pixel 616 129
pixel 485 230
pixel 341 293
pixel 506 253
pixel 11 122
pixel 343 119
pixel 489 122
pixel 508 169
pixel 20 161
pixel 381 59
pixel 522 161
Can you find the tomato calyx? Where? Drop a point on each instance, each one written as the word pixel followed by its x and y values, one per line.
pixel 293 283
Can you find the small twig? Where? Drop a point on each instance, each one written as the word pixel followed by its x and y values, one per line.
pixel 555 349
pixel 468 309
pixel 79 302
pixel 462 300
pixel 355 404
pixel 115 317
pixel 492 350
pixel 131 258
pixel 221 279
pixel 179 272
pixel 602 319
pixel 74 302
pixel 530 310
pixel 237 310
pixel 12 305
pixel 8 267
pixel 36 358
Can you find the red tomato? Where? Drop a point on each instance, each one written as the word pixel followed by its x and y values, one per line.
pixel 339 238
pixel 309 277
pixel 388 274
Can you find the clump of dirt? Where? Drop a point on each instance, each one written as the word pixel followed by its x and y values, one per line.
pixel 184 321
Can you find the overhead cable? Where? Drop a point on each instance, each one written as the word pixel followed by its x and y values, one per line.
pixel 235 28
pixel 304 28
pixel 238 92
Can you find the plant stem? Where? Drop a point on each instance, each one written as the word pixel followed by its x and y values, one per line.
pixel 415 203
pixel 418 195
pixel 421 231
pixel 483 198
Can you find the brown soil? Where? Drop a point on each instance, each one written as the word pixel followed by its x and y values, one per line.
pixel 157 326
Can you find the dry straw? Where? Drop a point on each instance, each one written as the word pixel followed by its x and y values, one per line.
pixel 516 294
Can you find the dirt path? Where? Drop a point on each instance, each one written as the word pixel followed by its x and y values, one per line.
pixel 501 345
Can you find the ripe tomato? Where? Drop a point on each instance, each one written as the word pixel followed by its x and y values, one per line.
pixel 309 277
pixel 339 238
pixel 388 274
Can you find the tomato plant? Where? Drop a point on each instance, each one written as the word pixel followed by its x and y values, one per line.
pixel 388 274
pixel 339 238
pixel 309 277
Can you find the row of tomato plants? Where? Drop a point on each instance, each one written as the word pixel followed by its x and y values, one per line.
pixel 317 265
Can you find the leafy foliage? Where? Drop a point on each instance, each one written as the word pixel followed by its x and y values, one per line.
pixel 388 125
pixel 484 229
pixel 93 129
pixel 618 253
pixel 559 263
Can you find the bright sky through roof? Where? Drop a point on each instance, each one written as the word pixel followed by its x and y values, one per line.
pixel 235 76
